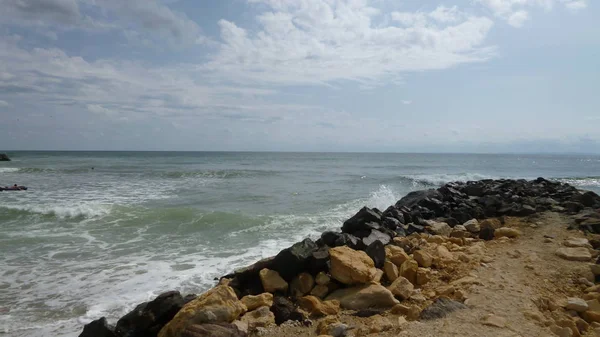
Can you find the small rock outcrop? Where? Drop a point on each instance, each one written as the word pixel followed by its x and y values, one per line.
pixel 98 328
pixel 147 319
pixel 4 157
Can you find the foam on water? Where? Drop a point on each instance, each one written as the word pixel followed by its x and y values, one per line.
pixel 8 169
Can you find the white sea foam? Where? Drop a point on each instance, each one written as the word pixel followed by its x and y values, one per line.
pixel 9 169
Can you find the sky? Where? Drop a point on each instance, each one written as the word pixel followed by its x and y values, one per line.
pixel 300 75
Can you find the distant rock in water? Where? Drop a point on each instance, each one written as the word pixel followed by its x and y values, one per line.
pixel 4 157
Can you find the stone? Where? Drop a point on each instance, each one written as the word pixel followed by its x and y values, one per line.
pixel 593 305
pixel 376 252
pixel 577 242
pixel 439 228
pixel 561 331
pixel 148 318
pixel 472 226
pixel 359 222
pixel 302 284
pixel 488 228
pixel 349 266
pixel 364 297
pixel 379 324
pixel 397 255
pixel 261 317
pixel 98 328
pixel 459 231
pixel 423 258
pixel 317 308
pixel 254 302
pixel 213 330
pixel 493 320
pixel 413 198
pixel 574 254
pixel 326 323
pixel 4 157
pixel 582 325
pixel 378 276
pixel 402 288
pixel 595 268
pixel 577 304
pixel 409 270
pixel 246 280
pixel 591 316
pixel 440 308
pixel 444 254
pixel 284 310
pixel 294 260
pixel 320 291
pixel 507 232
pixel 272 282
pixel 220 304
pixel 242 326
pixel 423 276
pixel 411 312
pixel 322 278
pixel 391 271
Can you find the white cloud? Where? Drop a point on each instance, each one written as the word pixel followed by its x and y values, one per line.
pixel 406 102
pixel 322 41
pixel 516 12
pixel 3 104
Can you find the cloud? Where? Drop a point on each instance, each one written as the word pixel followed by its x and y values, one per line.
pixel 40 11
pixel 3 104
pixel 405 102
pixel 516 13
pixel 320 41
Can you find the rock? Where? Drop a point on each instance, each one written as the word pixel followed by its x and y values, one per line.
pixel 423 258
pixel 459 231
pixel 376 251
pixel 220 304
pixel 148 318
pixel 322 279
pixel 320 291
pixel 361 222
pixel 319 261
pixel 378 323
pixel 272 282
pixel 577 242
pixel 595 268
pixel 493 320
pixel 364 297
pixel 294 260
pixel 397 255
pixel 593 305
pixel 315 307
pixel 413 198
pixel 378 276
pixel 591 316
pixel 488 228
pixel 98 328
pixel 574 254
pixel 444 254
pixel 302 284
pixel 576 304
pixel 587 199
pixel 246 280
pixel 349 266
pixel 213 330
pixel 261 317
pixel 409 270
pixel 439 228
pixel 472 226
pixel 411 312
pixel 402 288
pixel 284 310
pixel 4 157
pixel 507 232
pixel 254 302
pixel 423 276
pixel 440 308
pixel 561 331
pixel 391 271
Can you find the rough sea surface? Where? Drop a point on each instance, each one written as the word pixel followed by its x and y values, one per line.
pixel 99 232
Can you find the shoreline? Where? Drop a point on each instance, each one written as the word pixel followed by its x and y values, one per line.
pixel 356 260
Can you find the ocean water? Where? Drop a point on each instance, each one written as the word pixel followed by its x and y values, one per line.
pixel 84 243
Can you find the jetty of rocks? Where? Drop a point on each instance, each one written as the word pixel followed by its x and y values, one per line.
pixel 379 261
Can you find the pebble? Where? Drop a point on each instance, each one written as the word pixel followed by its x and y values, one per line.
pixel 574 254
pixel 493 320
pixel 577 304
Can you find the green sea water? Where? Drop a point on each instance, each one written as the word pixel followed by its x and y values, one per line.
pixel 99 232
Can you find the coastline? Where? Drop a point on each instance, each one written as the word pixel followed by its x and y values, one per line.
pixel 371 237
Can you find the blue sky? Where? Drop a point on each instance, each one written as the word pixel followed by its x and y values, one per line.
pixel 300 75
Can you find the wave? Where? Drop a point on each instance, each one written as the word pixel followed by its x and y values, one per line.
pixel 57 211
pixel 9 169
pixel 436 180
pixel 33 170
pixel 219 174
pixel 580 181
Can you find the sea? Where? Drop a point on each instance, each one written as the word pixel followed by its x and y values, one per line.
pixel 97 233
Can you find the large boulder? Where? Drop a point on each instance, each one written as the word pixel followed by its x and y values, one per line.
pixel 302 284
pixel 294 260
pixel 376 252
pixel 213 330
pixel 402 288
pixel 362 222
pixel 98 328
pixel 272 282
pixel 349 266
pixel 315 307
pixel 254 302
pixel 284 310
pixel 374 236
pixel 246 281
pixel 4 157
pixel 364 297
pixel 220 304
pixel 413 198
pixel 259 318
pixel 147 319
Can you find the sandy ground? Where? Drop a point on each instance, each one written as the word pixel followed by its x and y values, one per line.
pixel 517 274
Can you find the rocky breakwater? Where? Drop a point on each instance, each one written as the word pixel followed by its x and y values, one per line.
pixel 405 261
pixel 4 157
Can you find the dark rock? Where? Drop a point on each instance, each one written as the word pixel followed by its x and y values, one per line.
pixel 595 242
pixel 413 198
pixel 368 312
pixel 329 238
pixel 434 205
pixel 572 207
pixel 474 190
pixel 390 223
pixel 591 225
pixel 360 220
pixel 98 328
pixel 245 281
pixel 148 318
pixel 393 212
pixel 487 232
pixel 292 261
pixel 284 310
pixel 522 210
pixel 319 261
pixel 213 330
pixel 440 308
pixel 4 157
pixel 188 298
pixel 400 231
pixel 413 228
pixel 376 236
pixel 589 199
pixel 376 252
